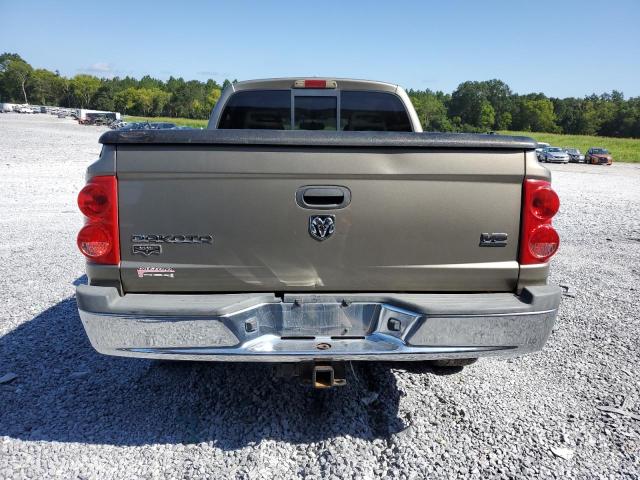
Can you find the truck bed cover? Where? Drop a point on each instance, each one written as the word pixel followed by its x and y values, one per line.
pixel 320 139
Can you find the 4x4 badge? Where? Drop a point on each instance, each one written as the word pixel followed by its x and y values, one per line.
pixel 322 227
pixel 146 250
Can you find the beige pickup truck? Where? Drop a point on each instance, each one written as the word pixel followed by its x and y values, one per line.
pixel 313 223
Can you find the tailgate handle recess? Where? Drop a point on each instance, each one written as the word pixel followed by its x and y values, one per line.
pixel 321 197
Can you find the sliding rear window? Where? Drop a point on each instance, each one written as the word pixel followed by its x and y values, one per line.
pixel 258 109
pixel 359 111
pixel 373 111
pixel 316 113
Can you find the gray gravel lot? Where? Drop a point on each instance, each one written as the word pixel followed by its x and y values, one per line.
pixel 72 413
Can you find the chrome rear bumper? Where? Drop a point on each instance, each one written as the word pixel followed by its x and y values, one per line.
pixel 265 328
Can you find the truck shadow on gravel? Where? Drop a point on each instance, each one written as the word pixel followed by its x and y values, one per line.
pixel 66 392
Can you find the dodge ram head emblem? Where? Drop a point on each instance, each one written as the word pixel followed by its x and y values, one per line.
pixel 322 227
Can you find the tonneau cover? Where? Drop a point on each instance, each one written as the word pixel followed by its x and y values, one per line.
pixel 320 139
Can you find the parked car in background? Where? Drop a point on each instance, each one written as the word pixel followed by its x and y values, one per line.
pixel 97 119
pixel 575 155
pixel 146 126
pixel 117 124
pixel 6 107
pixel 598 156
pixel 541 147
pixel 555 155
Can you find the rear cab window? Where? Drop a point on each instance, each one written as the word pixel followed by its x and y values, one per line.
pixel 373 111
pixel 347 110
pixel 257 109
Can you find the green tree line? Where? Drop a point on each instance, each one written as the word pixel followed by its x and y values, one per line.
pixel 475 106
pixel 176 97
pixel 491 105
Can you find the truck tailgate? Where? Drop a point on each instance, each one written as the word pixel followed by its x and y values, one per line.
pixel 221 218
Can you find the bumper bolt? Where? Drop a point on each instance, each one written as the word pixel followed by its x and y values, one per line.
pixel 394 324
pixel 251 325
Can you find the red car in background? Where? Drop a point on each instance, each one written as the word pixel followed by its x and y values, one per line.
pixel 598 156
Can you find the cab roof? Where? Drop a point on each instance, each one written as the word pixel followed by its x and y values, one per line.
pixel 288 83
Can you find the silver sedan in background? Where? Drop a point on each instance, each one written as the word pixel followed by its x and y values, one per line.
pixel 555 155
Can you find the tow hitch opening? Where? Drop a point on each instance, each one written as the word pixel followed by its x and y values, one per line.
pixel 324 375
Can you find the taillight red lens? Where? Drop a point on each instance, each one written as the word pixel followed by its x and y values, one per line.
pixel 538 240
pixel 93 201
pixel 544 203
pixel 98 239
pixel 94 241
pixel 544 242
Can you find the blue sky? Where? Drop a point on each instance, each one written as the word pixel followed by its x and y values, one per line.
pixel 562 48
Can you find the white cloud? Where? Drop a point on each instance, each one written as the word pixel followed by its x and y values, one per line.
pixel 100 69
pixel 208 73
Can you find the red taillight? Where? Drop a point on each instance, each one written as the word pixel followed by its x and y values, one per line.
pixel 544 203
pixel 538 240
pixel 315 83
pixel 543 241
pixel 94 241
pixel 93 201
pixel 98 239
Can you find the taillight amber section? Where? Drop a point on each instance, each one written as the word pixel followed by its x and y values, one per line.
pixel 539 241
pixel 98 240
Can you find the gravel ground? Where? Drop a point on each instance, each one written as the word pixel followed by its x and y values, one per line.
pixel 72 413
